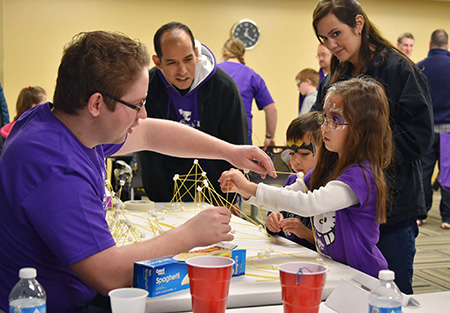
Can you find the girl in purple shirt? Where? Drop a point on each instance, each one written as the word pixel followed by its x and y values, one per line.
pixel 347 189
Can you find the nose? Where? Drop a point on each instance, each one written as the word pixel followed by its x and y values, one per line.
pixel 324 127
pixel 142 113
pixel 330 44
pixel 295 158
pixel 295 162
pixel 181 68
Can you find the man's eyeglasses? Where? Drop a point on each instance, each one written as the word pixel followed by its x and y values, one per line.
pixel 300 82
pixel 132 106
pixel 333 123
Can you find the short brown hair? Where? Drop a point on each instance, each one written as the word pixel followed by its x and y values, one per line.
pixel 97 61
pixel 305 124
pixel 309 73
pixel 439 38
pixel 404 35
pixel 166 28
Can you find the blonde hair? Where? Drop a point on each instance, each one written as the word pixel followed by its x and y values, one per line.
pixel 233 48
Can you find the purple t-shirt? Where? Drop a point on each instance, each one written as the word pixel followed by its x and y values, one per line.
pixel 251 85
pixel 350 235
pixel 52 207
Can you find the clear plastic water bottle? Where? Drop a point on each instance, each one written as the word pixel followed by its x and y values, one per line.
pixel 386 297
pixel 27 296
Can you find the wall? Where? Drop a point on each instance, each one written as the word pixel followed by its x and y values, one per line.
pixel 34 33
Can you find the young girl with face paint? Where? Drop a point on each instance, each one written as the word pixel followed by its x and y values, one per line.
pixel 347 189
pixel 358 48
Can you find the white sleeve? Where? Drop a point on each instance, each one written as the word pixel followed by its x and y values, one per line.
pixel 299 185
pixel 335 196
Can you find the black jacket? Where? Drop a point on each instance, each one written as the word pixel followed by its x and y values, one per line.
pixel 221 114
pixel 411 120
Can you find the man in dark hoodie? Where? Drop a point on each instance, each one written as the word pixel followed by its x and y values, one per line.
pixel 436 66
pixel 186 86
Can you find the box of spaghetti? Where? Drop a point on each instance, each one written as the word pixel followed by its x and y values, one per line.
pixel 169 274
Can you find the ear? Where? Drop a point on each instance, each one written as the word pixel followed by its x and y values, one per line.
pixel 359 23
pixel 157 61
pixel 94 104
pixel 196 54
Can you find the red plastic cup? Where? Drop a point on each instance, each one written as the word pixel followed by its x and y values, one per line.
pixel 301 286
pixel 209 278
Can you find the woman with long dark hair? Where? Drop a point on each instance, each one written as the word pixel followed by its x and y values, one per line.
pixel 358 48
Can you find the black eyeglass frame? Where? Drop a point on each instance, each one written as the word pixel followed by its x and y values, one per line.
pixel 132 106
pixel 323 119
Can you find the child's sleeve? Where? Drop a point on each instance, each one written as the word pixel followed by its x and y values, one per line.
pixel 336 195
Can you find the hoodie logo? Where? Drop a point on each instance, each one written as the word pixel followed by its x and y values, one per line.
pixel 186 116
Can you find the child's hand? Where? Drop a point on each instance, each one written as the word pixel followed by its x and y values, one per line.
pixel 273 222
pixel 295 226
pixel 234 181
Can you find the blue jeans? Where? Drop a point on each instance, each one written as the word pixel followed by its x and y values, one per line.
pixel 398 245
pixel 428 163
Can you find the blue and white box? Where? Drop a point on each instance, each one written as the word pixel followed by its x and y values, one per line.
pixel 169 274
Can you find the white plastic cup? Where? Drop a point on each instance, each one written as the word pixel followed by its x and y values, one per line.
pixel 126 300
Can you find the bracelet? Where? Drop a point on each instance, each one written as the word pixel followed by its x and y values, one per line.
pixel 270 137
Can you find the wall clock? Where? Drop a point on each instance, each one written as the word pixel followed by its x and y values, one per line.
pixel 247 31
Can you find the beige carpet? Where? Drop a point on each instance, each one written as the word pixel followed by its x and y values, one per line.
pixel 432 261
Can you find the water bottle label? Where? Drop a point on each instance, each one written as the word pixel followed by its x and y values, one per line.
pixel 36 309
pixel 374 309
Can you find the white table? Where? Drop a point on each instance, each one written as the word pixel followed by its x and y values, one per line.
pixel 246 290
pixel 438 302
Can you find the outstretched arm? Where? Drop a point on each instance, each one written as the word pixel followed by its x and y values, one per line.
pixel 113 268
pixel 178 140
pixel 234 181
pixel 336 195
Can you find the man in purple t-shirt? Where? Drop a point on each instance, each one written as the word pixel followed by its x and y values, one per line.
pixel 52 199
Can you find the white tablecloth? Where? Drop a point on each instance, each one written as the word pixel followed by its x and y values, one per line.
pixel 438 302
pixel 245 290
